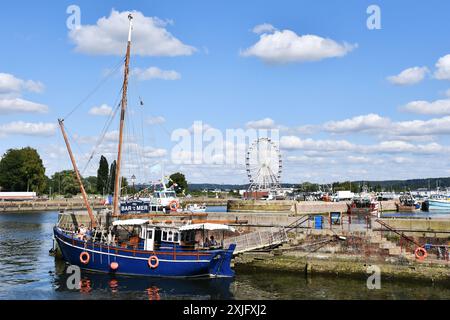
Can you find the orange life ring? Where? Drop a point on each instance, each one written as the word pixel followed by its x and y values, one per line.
pixel 85 257
pixel 153 262
pixel 421 253
pixel 174 205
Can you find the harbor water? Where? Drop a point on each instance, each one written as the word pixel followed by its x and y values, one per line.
pixel 27 271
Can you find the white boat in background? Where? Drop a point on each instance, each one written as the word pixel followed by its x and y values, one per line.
pixel 195 208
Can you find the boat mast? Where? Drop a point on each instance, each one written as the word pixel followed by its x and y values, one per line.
pixel 77 174
pixel 122 121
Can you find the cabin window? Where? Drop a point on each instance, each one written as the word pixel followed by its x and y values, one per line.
pixel 175 237
pixel 164 235
pixel 149 234
pixel 170 236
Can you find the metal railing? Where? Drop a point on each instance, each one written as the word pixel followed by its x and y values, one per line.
pixel 257 240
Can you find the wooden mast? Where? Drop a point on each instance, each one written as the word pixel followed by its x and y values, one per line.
pixel 117 186
pixel 77 174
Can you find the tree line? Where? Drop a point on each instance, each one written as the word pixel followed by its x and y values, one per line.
pixel 23 170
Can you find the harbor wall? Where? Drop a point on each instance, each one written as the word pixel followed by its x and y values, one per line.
pixel 343 266
pixel 421 227
pixel 297 207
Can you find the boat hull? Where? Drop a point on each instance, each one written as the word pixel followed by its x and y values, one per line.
pixel 438 205
pixel 211 263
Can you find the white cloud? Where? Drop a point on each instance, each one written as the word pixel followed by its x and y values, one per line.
pixel 438 107
pixel 103 110
pixel 155 73
pixel 358 159
pixel 357 124
pixel 264 28
pixel 109 36
pixel 447 93
pixel 28 129
pixel 11 84
pixel 286 46
pixel 294 142
pixel 443 68
pixel 409 76
pixel 18 105
pixel 266 123
pixel 388 147
pixel 156 120
pixel 421 127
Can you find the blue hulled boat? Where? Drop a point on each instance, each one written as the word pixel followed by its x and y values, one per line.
pixel 138 246
pixel 148 250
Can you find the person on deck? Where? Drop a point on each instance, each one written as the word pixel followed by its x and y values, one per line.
pixel 212 242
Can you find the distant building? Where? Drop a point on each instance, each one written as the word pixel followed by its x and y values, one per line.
pixel 17 196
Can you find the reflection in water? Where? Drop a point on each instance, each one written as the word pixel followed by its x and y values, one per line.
pixel 28 272
pixel 105 286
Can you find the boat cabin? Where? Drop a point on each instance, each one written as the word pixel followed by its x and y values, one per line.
pixel 143 235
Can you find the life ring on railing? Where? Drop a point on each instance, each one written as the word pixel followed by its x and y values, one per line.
pixel 421 253
pixel 153 262
pixel 174 205
pixel 85 257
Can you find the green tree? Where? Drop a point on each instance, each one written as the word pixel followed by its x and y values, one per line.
pixel 65 183
pixel 22 170
pixel 179 180
pixel 90 184
pixel 102 176
pixel 308 187
pixel 112 177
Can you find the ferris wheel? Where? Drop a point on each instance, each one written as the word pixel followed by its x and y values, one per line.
pixel 264 165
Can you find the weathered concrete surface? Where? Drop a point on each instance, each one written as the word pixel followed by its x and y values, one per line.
pixel 344 266
pixel 421 227
pixel 297 207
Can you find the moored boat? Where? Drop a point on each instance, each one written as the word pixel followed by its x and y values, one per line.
pixel 363 205
pixel 407 204
pixel 147 249
pixel 438 203
pixel 138 246
pixel 195 208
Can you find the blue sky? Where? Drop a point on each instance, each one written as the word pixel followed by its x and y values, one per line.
pixel 340 116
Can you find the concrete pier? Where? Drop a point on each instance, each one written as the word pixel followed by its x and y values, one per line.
pixel 297 207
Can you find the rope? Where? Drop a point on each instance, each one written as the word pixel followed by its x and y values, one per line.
pixel 96 88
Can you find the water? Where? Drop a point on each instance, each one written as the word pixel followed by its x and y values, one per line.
pixel 28 272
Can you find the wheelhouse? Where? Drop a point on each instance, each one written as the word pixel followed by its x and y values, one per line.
pixel 142 234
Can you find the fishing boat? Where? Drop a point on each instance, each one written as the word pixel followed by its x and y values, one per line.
pixel 407 204
pixel 138 246
pixel 143 248
pixel 363 205
pixel 438 202
pixel 158 198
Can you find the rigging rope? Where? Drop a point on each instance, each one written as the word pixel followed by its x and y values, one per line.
pixel 96 88
pixel 104 130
